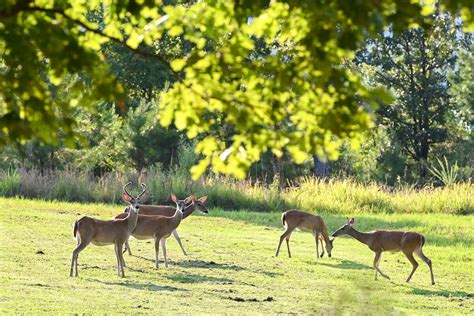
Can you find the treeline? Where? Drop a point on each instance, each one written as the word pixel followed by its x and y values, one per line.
pixel 422 133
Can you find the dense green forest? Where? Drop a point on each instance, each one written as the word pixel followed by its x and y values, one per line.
pixel 390 103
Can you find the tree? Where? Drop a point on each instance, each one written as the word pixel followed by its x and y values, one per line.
pixel 461 122
pixel 302 84
pixel 414 65
pixel 148 142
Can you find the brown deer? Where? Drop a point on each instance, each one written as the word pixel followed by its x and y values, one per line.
pixel 293 219
pixel 159 227
pixel 165 210
pixel 101 233
pixel 387 240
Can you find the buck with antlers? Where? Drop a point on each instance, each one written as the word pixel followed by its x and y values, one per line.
pixel 113 232
pixel 159 227
pixel 165 210
pixel 384 240
pixel 305 221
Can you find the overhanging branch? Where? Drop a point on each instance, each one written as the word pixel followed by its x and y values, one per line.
pixel 100 33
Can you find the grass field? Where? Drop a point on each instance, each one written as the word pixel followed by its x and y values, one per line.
pixel 230 267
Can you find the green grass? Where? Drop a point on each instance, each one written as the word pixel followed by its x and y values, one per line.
pixel 230 268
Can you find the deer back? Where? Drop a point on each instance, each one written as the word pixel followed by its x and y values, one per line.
pixel 163 210
pixel 304 220
pixel 102 232
pixel 151 225
pixel 396 240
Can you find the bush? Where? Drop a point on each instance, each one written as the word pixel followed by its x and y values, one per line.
pixel 9 182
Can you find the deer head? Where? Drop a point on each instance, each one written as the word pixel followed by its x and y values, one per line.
pixel 344 230
pixel 135 201
pixel 182 204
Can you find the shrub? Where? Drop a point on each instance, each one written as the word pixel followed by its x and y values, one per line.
pixel 9 182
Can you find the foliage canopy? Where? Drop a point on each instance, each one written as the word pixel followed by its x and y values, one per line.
pixel 296 99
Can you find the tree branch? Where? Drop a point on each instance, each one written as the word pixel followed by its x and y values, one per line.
pixel 89 28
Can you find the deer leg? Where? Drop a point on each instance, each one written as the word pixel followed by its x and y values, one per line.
pixel 122 261
pixel 419 253
pixel 316 236
pixel 75 254
pixel 410 257
pixel 157 249
pixel 288 245
pixel 176 236
pixel 163 245
pixel 119 262
pixel 282 237
pixel 322 247
pixel 378 256
pixel 127 248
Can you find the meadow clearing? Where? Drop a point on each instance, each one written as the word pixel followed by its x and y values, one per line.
pixel 230 267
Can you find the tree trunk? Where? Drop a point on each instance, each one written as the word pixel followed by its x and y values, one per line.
pixel 276 168
pixel 321 168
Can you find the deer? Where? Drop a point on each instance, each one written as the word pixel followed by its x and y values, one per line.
pixel 165 210
pixel 388 240
pixel 112 232
pixel 293 219
pixel 160 227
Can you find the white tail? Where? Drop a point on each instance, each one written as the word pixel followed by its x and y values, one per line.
pixel 385 240
pixel 114 232
pixel 165 210
pixel 305 221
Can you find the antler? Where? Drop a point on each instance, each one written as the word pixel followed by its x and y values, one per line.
pixel 144 190
pixel 125 188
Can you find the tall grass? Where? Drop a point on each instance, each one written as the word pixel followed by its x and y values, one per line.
pixel 334 196
pixel 9 182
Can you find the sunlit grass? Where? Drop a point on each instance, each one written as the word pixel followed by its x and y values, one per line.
pixel 230 268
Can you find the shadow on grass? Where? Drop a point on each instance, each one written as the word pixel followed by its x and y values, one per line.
pixel 140 286
pixel 196 278
pixel 144 258
pixel 208 264
pixel 443 293
pixel 346 265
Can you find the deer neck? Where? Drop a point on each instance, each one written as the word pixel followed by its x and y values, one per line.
pixel 325 235
pixel 177 217
pixel 132 219
pixel 362 237
pixel 189 210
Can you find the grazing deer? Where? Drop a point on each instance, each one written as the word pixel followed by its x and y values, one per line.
pixel 101 233
pixel 305 221
pixel 386 240
pixel 159 227
pixel 165 210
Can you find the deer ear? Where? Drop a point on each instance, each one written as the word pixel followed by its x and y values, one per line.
pixel 351 222
pixel 173 198
pixel 203 199
pixel 144 197
pixel 126 197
